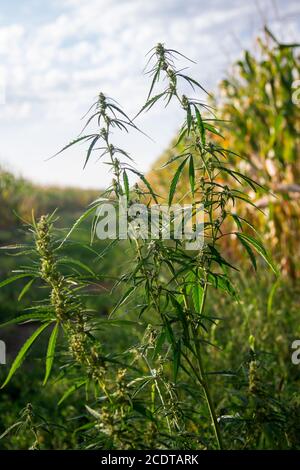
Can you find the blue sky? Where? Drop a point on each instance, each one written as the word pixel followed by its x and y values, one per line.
pixel 57 55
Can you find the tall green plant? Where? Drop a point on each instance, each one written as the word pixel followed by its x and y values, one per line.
pixel 263 124
pixel 155 386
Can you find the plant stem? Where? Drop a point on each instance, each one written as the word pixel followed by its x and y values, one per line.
pixel 204 382
pixel 201 376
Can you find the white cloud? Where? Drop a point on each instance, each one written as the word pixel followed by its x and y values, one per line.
pixel 15 112
pixel 55 68
pixel 10 39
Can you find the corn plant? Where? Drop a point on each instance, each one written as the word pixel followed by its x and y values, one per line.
pixel 257 98
pixel 157 391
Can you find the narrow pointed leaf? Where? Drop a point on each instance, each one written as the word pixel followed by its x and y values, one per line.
pixel 50 352
pixel 249 251
pixel 90 150
pixel 22 353
pixel 175 181
pixel 71 390
pixel 13 279
pixel 197 295
pixel 126 184
pixel 83 137
pixel 86 214
pixel 192 175
pixel 257 245
pixel 33 316
pixel 176 359
pixel 123 299
pixel 201 126
pixel 25 289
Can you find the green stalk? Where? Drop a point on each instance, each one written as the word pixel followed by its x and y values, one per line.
pixel 201 376
pixel 204 382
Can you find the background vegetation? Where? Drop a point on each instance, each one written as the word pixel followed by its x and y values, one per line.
pixel 254 385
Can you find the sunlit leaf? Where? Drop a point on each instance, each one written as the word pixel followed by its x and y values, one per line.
pixel 50 352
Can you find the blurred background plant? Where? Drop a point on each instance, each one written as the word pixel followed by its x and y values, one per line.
pixel 257 99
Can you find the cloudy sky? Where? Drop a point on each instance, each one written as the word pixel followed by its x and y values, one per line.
pixel 57 55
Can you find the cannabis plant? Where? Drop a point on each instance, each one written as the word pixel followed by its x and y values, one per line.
pixel 156 388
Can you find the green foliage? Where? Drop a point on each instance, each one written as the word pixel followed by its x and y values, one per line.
pixel 262 123
pixel 260 120
pixel 145 370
